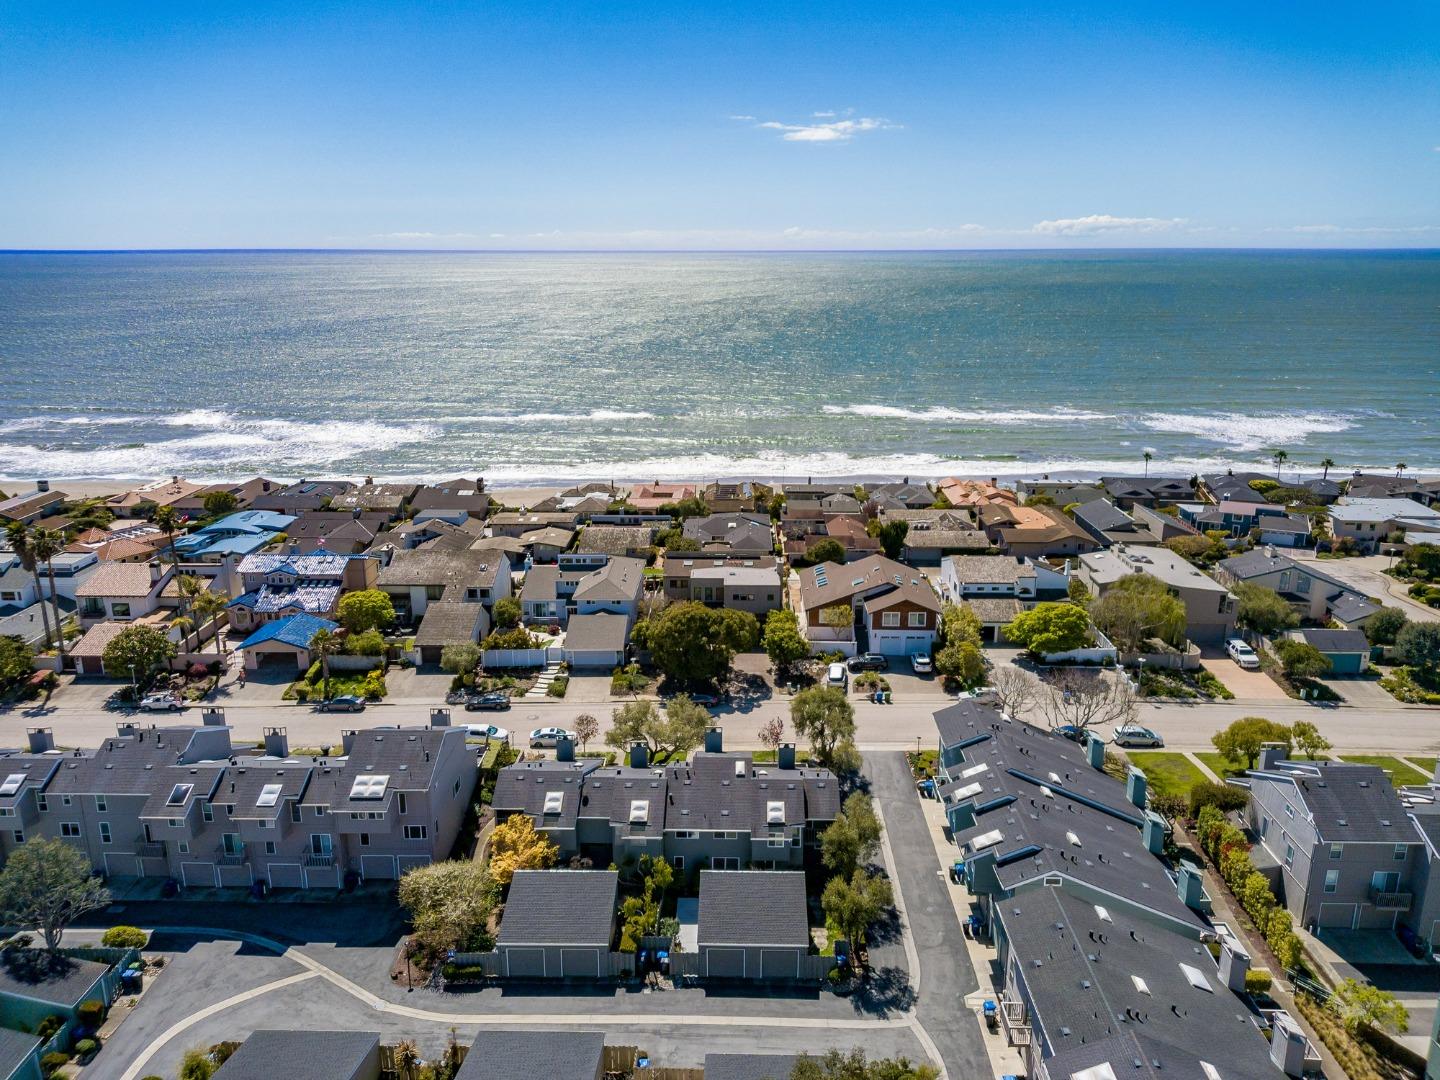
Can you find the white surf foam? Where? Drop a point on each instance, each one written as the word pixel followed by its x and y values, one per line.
pixel 598 416
pixel 1244 432
pixel 939 414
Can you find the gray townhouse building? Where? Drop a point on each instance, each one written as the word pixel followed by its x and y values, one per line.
pixel 1342 847
pixel 1315 595
pixel 184 803
pixel 718 811
pixel 740 582
pixel 1209 605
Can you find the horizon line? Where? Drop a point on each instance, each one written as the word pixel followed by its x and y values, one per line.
pixel 1432 249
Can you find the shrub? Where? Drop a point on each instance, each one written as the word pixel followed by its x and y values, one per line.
pixel 558 686
pixel 367 643
pixel 48 1027
pixel 1223 797
pixel 86 1048
pixel 52 1062
pixel 373 687
pixel 91 1014
pixel 125 937
pixel 1258 982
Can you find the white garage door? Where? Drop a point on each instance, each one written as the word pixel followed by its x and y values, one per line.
pixel 590 658
pixel 117 864
pixel 199 874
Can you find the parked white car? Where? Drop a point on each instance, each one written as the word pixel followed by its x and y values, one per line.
pixel 1135 735
pixel 161 703
pixel 487 731
pixel 1242 654
pixel 837 676
pixel 921 663
pixel 550 736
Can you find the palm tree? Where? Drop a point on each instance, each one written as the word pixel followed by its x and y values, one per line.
pixel 407 1056
pixel 46 544
pixel 190 587
pixel 1400 467
pixel 1327 465
pixel 185 625
pixel 1279 457
pixel 19 536
pixel 208 606
pixel 1148 458
pixel 167 519
pixel 324 644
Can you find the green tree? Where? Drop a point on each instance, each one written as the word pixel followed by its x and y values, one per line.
pixel 1365 1006
pixel 1136 609
pixel 959 624
pixel 196 1065
pixel 679 728
pixel 208 607
pixel 693 643
pixel 1256 897
pixel 783 642
pixel 1326 466
pixel 1385 625
pixel 824 716
pixel 853 838
pixel 138 647
pixel 827 550
pixel 1301 660
pixel 1050 628
pixel 1202 550
pixel 838 1065
pixel 18 534
pixel 366 609
pixel 854 904
pixel 460 657
pixel 1263 610
pixel 1279 457
pixel 167 520
pixel 963 664
pixel 1077 590
pixel 323 645
pixel 640 915
pixel 507 612
pixel 1307 739
pixel 217 503
pixel 449 904
pixel 1242 740
pixel 46 885
pixel 1419 646
pixel 46 544
pixel 891 535
pixel 17 661
pixel 776 506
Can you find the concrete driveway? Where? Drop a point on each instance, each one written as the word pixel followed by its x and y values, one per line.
pixel 1364 693
pixel 1245 685
pixel 588 689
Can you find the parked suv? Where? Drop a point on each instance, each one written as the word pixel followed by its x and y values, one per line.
pixel 870 661
pixel 1242 653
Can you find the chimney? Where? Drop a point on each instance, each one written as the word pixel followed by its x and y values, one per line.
pixel 1154 833
pixel 126 729
pixel 1234 963
pixel 785 757
pixel 212 717
pixel 42 739
pixel 639 756
pixel 347 741
pixel 264 485
pixel 714 741
pixel 564 749
pixel 1190 887
pixel 155 570
pixel 1095 751
pixel 1271 754
pixel 1135 787
pixel 1288 1043
pixel 439 718
pixel 277 742
pixel 369 480
pixel 175 479
pixel 42 485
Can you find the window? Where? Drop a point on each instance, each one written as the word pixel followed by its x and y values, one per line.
pixel 415 832
pixel 120 610
pixel 100 807
pixel 1264 826
pixel 364 839
pixel 401 798
pixel 776 841
pixel 678 862
pixel 685 834
pixel 105 832
pixel 19 836
pixel 1289 810
pixel 42 803
pixel 1385 881
pixel 1337 850
pixel 1332 880
pixel 725 864
pixel 889 618
pixel 320 843
pixel 207 811
pixel 434 592
pixel 319 811
pixel 1401 850
pixel 64 800
pixel 175 823
pixel 184 847
pixel 70 829
pixel 917 618
pixel 269 847
pixel 1289 855
pixel 267 824
pixel 295 811
pixel 1302 584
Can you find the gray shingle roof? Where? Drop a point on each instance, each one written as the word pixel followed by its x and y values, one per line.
pixel 615 539
pixel 620 579
pixel 53 979
pixel 753 907
pixel 749 1066
pixel 1350 803
pixel 600 631
pixel 315 1055
pixel 527 1055
pixel 463 568
pixel 560 907
pixel 447 622
pixel 1336 641
pixel 522 787
pixel 1102 515
pixel 15 1048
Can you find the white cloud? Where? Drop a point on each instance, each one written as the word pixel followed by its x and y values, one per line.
pixel 742 118
pixel 1359 230
pixel 824 130
pixel 1098 224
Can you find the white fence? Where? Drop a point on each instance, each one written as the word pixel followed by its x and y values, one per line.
pixel 523 658
pixel 1099 653
pixel 341 662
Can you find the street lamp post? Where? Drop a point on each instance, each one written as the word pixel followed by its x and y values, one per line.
pixel 134 689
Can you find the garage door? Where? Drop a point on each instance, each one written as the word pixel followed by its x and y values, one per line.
pixel 725 963
pixel 430 654
pixel 286 876
pixel 525 963
pixel 200 874
pixel 377 867
pixel 589 658
pixel 123 865
pixel 779 964
pixel 579 963
pixel 1341 915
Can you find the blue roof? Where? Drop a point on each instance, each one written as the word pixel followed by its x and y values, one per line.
pixel 226 545
pixel 254 521
pixel 316 564
pixel 296 630
pixel 311 598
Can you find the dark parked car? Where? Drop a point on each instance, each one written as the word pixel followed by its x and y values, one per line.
pixel 493 701
pixel 870 661
pixel 344 703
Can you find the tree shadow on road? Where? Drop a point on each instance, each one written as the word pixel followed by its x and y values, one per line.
pixel 886 991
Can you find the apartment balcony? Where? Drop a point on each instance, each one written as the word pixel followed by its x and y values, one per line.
pixel 230 856
pixel 150 849
pixel 319 861
pixel 1390 901
pixel 1013 1019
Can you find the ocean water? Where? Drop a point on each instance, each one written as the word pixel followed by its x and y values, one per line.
pixel 526 368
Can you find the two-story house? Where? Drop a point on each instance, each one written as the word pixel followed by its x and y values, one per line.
pixel 233 536
pixel 963 577
pixel 743 583
pixel 414 579
pixel 278 586
pixel 736 533
pixel 1315 595
pixel 873 605
pixel 121 591
pixel 1209 606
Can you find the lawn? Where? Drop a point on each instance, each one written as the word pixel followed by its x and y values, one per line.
pixel 1426 763
pixel 1166 772
pixel 1219 765
pixel 1400 773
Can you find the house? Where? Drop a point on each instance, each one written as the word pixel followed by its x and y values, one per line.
pixel 1316 596
pixel 1268 523
pixel 650 497
pixel 32 506
pixel 961 492
pixel 1372 486
pixel 752 925
pixel 415 578
pixel 128 545
pixel 245 493
pixel 735 496
pixel 1033 531
pixel 1235 487
pixel 235 535
pixel 524 1055
pixel 28 623
pixel 1337 842
pixel 737 533
pixel 1209 606
pixel 18 587
pixel 1109 525
pixel 545 545
pixel 1153 491
pixel 302 496
pixel 518 523
pixel 87 652
pixel 315 1055
pixel 388 499
pixel 889 607
pixel 545 595
pixel 121 591
pixel 558 924
pixel 185 803
pixel 933 534
pixel 802 535
pixel 35 984
pixel 463 494
pixel 1369 522
pixel 614 588
pixel 142 501
pixel 19 1055
pixel 633 541
pixel 1061 492
pixel 718 811
pixel 596 641
pixel 280 585
pixel 746 584
pixel 994 613
pixel 342 532
pixel 963 577
pixel 749 1066
pixel 285 641
pixel 909 496
pixel 449 622
pixel 1347 650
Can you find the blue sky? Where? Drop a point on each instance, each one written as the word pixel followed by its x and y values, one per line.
pixel 719 125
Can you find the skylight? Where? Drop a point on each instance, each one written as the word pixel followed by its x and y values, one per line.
pixel 976 770
pixel 1140 984
pixel 1211 1073
pixel 1196 978
pixel 269 795
pixel 967 791
pixel 178 794
pixel 984 840
pixel 1103 1071
pixel 369 786
pixel 775 813
pixel 1102 914
pixel 639 811
pixel 553 801
pixel 1073 839
pixel 12 783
